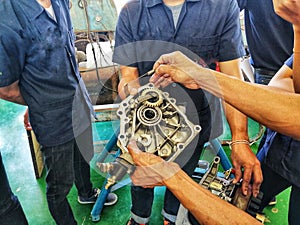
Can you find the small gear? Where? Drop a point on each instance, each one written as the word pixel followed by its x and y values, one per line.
pixel 153 97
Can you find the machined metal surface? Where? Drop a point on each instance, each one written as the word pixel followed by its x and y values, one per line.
pixel 158 125
pixel 223 187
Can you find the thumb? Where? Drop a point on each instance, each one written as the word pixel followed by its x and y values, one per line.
pixel 133 148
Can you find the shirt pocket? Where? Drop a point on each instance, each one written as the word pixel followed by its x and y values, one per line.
pixel 205 47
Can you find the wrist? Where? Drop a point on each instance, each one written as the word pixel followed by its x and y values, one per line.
pixel 170 169
pixel 238 142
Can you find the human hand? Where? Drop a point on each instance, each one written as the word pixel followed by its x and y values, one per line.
pixel 288 10
pixel 243 158
pixel 129 88
pixel 175 67
pixel 129 82
pixel 150 170
pixel 26 122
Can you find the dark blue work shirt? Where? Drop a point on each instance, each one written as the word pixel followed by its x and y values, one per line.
pixel 206 31
pixel 39 52
pixel 270 38
pixel 210 29
pixel 284 152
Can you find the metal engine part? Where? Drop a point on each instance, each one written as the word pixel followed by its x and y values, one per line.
pixel 152 118
pixel 220 184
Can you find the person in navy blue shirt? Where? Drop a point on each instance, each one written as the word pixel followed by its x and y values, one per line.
pixel 38 68
pixel 269 48
pixel 208 32
pixel 281 165
pixel 269 38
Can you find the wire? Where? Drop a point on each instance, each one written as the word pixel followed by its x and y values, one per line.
pixel 83 4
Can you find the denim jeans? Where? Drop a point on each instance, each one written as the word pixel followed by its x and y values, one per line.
pixel 65 165
pixel 263 76
pixel 142 198
pixel 11 212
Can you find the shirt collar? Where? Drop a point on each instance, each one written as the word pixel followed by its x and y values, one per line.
pixel 33 9
pixel 151 3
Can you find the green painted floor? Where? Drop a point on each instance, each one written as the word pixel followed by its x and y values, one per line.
pixel 18 163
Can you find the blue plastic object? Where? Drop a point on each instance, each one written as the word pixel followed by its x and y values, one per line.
pixel 99 204
pixel 108 147
pixel 219 151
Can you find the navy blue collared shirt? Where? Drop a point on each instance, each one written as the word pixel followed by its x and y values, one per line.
pixel 210 29
pixel 283 151
pixel 39 52
pixel 270 38
pixel 206 31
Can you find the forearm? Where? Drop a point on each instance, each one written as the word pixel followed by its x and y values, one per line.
pixel 12 93
pixel 274 109
pixel 237 121
pixel 296 64
pixel 207 208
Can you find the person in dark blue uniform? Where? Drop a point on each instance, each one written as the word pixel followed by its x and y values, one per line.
pixel 208 32
pixel 269 38
pixel 11 211
pixel 38 68
pixel 281 165
pixel 269 48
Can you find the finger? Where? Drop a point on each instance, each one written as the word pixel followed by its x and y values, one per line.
pixel 257 180
pixel 165 83
pixel 237 174
pixel 154 78
pixel 28 126
pixel 149 186
pixel 163 59
pixel 156 64
pixel 246 180
pixel 133 148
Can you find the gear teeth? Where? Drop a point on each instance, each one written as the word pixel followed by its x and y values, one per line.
pixel 158 95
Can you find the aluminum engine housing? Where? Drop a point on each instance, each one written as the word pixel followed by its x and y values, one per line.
pixel 158 125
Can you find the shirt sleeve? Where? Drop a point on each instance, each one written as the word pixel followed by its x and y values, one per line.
pixel 289 61
pixel 231 46
pixel 12 55
pixel 125 46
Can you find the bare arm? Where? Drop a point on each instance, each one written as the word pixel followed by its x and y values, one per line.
pixel 275 109
pixel 241 154
pixel 283 80
pixel 12 93
pixel 215 211
pixel 290 11
pixel 254 100
pixel 154 170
